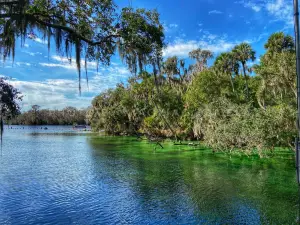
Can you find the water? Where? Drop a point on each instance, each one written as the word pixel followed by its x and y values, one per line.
pixel 61 176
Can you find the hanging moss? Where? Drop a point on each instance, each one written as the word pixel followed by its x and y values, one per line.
pixel 136 34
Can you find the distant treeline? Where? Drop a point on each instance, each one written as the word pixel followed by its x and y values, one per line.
pixel 37 116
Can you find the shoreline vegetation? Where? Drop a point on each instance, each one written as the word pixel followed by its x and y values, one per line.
pixel 233 100
pixel 239 102
pixel 36 116
pixel 236 103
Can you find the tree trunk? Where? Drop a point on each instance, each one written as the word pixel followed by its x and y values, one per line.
pixel 246 81
pixel 232 84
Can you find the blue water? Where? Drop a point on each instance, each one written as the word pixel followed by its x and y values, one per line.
pixel 64 176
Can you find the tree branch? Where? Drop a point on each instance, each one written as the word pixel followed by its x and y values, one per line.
pixel 65 28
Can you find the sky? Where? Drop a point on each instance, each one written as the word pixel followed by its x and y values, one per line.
pixel 50 81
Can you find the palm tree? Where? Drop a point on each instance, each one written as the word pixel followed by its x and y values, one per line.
pixel 243 53
pixel 201 56
pixel 278 43
pixel 206 55
pixel 170 68
pixel 227 64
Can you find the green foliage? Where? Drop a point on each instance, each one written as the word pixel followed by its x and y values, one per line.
pixel 9 100
pixel 219 105
pixel 228 126
pixel 9 103
pixel 95 29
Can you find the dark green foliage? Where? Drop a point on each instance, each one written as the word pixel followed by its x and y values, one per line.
pixel 9 99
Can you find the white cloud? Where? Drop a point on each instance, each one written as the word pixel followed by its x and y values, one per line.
pixel 274 6
pixel 66 66
pixel 40 41
pixel 64 62
pixel 59 93
pixel 72 61
pixel 182 48
pixel 33 53
pixel 215 12
pixel 173 25
pixel 170 27
pixel 253 6
pixel 208 41
pixel 256 8
pixel 23 63
pixel 281 10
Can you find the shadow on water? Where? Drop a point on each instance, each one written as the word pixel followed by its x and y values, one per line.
pixel 198 186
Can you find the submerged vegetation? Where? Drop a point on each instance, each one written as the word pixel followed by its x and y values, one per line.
pixel 232 103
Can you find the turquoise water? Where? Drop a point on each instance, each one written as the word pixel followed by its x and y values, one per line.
pixel 62 176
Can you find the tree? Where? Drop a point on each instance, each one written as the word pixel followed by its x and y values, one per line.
pixel 95 29
pixel 35 109
pixel 9 98
pixel 277 71
pixel 201 57
pixel 170 68
pixel 243 53
pixel 227 64
pixel 279 42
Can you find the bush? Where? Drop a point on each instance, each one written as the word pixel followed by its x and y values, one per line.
pixel 224 125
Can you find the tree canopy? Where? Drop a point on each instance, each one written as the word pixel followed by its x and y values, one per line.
pixel 94 30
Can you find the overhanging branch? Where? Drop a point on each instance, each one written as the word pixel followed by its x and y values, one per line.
pixel 58 26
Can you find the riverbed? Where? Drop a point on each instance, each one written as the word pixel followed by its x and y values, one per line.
pixel 64 176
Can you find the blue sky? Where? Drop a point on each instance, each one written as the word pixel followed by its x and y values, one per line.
pixel 217 25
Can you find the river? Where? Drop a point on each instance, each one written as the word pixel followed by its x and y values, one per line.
pixel 61 176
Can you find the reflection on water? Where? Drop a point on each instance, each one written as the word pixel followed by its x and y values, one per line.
pixel 64 179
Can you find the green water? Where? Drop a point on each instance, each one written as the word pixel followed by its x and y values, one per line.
pixel 59 176
pixel 221 188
